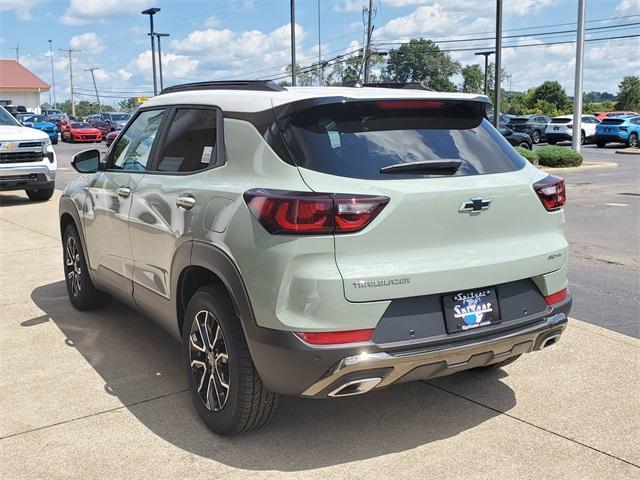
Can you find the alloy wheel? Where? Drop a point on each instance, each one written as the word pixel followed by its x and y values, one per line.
pixel 73 266
pixel 633 141
pixel 209 360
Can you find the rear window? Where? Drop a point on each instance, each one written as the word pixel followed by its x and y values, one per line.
pixel 357 139
pixel 519 120
pixel 560 120
pixel 612 121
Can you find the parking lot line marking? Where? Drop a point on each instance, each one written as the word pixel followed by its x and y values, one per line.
pixel 533 425
pixel 617 204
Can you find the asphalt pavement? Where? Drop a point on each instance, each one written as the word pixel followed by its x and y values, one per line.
pixel 603 228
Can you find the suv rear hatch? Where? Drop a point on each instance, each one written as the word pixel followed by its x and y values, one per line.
pixel 424 241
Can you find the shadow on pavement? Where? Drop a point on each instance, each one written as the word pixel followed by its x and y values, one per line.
pixel 9 198
pixel 142 366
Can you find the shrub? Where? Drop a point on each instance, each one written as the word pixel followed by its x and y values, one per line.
pixel 530 155
pixel 552 156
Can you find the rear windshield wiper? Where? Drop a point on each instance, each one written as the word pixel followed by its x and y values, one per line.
pixel 450 166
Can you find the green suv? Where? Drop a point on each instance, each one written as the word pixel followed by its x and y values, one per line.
pixel 320 242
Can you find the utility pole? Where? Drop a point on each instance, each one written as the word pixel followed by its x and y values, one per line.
pixel 151 12
pixel 486 66
pixel 367 51
pixel 93 77
pixel 576 137
pixel 17 49
pixel 320 67
pixel 70 51
pixel 498 72
pixel 293 43
pixel 53 78
pixel 158 36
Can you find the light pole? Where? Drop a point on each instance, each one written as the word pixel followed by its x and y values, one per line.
pixel 53 78
pixel 158 36
pixel 93 77
pixel 70 51
pixel 576 137
pixel 498 72
pixel 293 43
pixel 486 66
pixel 151 12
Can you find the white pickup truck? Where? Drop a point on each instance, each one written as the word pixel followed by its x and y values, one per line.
pixel 27 159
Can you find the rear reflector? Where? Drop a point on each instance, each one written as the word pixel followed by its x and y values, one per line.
pixel 551 191
pixel 307 213
pixel 333 338
pixel 556 297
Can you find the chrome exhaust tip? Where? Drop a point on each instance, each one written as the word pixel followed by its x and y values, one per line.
pixel 355 387
pixel 550 340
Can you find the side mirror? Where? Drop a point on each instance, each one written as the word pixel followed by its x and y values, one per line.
pixel 86 161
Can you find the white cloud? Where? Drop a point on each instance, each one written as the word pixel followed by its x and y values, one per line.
pixel 83 12
pixel 89 42
pixel 173 65
pixel 349 6
pixel 124 75
pixel 628 7
pixel 21 8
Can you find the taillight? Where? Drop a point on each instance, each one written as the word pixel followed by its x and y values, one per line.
pixel 306 213
pixel 551 191
pixel 556 297
pixel 333 338
pixel 623 128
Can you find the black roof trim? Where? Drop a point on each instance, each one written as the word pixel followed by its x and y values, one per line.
pixel 261 85
pixel 399 85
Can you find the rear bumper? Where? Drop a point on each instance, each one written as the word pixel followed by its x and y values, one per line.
pixel 558 137
pixel 611 138
pixel 289 366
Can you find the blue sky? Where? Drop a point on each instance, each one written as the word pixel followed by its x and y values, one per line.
pixel 217 39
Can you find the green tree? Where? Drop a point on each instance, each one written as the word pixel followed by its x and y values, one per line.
pixel 552 93
pixel 422 61
pixel 128 105
pixel 472 79
pixel 629 93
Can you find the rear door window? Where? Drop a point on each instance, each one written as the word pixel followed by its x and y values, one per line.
pixel 358 139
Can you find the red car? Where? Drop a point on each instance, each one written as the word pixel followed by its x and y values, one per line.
pixel 81 132
pixel 602 115
pixel 110 137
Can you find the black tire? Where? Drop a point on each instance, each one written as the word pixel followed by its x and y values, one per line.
pixel 583 139
pixel 525 145
pixel 246 404
pixel 40 194
pixel 536 136
pixel 82 292
pixel 501 364
pixel 601 144
pixel 55 142
pixel 632 140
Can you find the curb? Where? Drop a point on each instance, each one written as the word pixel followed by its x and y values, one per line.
pixel 581 168
pixel 629 151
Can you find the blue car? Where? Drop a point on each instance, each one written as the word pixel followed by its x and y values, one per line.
pixel 40 122
pixel 623 129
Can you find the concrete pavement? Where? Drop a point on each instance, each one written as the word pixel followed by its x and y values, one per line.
pixel 103 395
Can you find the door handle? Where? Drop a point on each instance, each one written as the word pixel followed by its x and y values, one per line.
pixel 123 192
pixel 186 201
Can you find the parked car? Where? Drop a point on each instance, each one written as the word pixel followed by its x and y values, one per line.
pixel 516 139
pixel 15 109
pixel 93 119
pixel 112 121
pixel 505 119
pixel 304 262
pixel 110 137
pixel 81 132
pixel 622 129
pixel 40 122
pixel 602 115
pixel 27 159
pixel 532 125
pixel 60 119
pixel 52 111
pixel 561 129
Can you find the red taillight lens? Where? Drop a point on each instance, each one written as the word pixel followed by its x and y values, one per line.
pixel 333 338
pixel 551 191
pixel 556 297
pixel 306 213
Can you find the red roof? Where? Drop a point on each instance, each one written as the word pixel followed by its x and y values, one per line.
pixel 15 76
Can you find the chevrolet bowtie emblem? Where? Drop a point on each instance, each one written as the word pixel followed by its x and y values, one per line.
pixel 475 206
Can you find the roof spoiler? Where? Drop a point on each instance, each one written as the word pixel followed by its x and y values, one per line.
pixel 398 85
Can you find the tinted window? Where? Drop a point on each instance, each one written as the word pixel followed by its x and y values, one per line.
pixel 131 152
pixel 560 120
pixel 357 139
pixel 190 143
pixel 519 120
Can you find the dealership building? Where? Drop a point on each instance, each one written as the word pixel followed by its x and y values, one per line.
pixel 18 86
